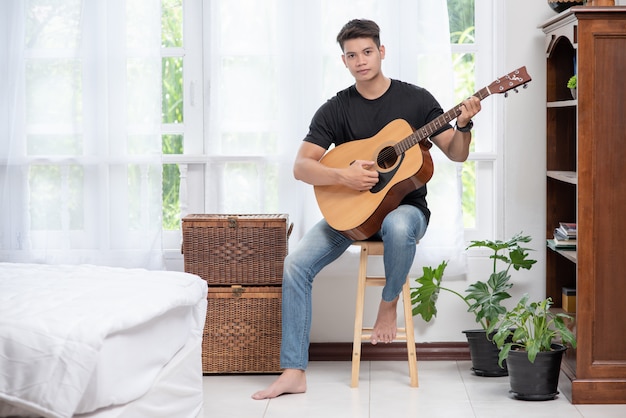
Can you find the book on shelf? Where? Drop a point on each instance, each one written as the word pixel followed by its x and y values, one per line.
pixel 558 234
pixel 566 229
pixel 557 244
pixel 571 242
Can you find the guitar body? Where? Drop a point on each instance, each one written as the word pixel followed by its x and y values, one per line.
pixel 359 215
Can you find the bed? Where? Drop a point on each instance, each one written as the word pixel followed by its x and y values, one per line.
pixel 100 342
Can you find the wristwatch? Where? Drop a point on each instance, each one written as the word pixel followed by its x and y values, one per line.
pixel 465 128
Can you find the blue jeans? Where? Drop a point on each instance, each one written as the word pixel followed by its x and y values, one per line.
pixel 400 231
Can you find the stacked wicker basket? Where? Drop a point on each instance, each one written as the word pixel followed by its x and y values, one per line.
pixel 241 258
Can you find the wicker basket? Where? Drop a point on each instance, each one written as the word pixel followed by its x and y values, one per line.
pixel 236 249
pixel 242 333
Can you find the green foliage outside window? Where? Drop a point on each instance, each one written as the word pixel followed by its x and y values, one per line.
pixel 461 21
pixel 172 108
pixel 172 144
pixel 462 31
pixel 172 96
pixel 172 23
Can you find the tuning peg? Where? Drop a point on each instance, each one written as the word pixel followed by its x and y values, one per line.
pixel 506 94
pixel 516 90
pixel 525 86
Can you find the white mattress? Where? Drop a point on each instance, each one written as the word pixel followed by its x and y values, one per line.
pixel 176 391
pixel 83 339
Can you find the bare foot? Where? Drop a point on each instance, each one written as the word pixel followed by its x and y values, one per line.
pixel 386 326
pixel 290 381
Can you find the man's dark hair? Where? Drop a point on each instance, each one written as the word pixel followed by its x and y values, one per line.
pixel 359 28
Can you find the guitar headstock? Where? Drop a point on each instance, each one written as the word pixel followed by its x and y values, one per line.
pixel 510 81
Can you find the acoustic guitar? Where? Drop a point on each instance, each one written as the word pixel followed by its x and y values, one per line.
pixel 403 163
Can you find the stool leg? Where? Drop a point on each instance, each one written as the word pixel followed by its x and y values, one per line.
pixel 410 332
pixel 358 318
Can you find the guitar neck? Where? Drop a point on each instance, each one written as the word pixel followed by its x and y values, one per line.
pixel 422 134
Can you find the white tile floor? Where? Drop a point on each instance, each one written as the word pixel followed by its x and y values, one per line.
pixel 447 389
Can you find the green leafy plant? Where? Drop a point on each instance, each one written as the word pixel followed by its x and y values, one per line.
pixel 483 299
pixel 533 327
pixel 572 82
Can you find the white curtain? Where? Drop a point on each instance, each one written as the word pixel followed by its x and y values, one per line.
pixel 80 166
pixel 417 40
pixel 80 108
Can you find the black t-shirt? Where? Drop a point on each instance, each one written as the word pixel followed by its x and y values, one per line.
pixel 348 116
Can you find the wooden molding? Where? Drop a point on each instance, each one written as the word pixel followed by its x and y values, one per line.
pixel 393 351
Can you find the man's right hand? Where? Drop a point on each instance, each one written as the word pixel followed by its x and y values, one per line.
pixel 361 175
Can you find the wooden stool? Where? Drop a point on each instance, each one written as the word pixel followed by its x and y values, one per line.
pixel 372 248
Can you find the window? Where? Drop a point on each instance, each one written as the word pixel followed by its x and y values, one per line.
pixel 471 42
pixel 241 45
pixel 126 114
pixel 247 168
pixel 172 101
pixel 80 170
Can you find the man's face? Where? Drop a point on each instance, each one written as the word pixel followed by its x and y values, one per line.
pixel 363 58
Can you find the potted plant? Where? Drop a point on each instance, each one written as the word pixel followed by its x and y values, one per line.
pixel 483 299
pixel 532 338
pixel 571 85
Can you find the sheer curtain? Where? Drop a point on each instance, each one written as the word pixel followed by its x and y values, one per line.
pixel 416 37
pixel 80 165
pixel 80 118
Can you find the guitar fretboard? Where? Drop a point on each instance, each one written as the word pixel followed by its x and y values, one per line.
pixel 434 125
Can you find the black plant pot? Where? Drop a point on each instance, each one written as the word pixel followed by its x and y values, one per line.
pixel 484 354
pixel 536 381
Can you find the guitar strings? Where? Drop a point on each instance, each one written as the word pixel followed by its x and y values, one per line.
pixel 393 152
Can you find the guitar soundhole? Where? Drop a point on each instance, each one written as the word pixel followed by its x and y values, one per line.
pixel 387 158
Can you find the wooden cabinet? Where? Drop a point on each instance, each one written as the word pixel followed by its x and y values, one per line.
pixel 586 184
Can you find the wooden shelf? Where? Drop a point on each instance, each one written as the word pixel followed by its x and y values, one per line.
pixel 571 255
pixel 570 177
pixel 563 103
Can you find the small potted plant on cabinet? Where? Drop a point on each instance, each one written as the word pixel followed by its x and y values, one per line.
pixel 483 299
pixel 532 338
pixel 571 85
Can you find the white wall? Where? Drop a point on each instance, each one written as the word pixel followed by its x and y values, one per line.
pixel 523 177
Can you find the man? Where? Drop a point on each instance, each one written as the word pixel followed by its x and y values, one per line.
pixel 359 112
